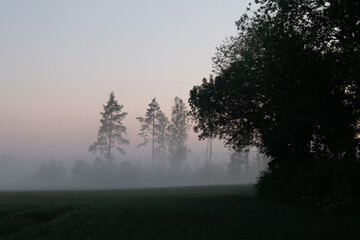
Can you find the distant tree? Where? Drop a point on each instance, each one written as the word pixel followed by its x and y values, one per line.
pixel 178 133
pixel 161 138
pixel 7 161
pixel 111 131
pixel 99 170
pixel 98 166
pixel 238 159
pixel 153 128
pixel 81 169
pixel 51 172
pixel 9 167
pixel 8 158
pixel 128 171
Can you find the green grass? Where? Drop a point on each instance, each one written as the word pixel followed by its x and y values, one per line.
pixel 219 212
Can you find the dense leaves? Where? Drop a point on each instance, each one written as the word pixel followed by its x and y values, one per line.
pixel 289 84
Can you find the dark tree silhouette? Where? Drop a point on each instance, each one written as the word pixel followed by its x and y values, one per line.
pixel 178 133
pixel 153 128
pixel 288 83
pixel 111 131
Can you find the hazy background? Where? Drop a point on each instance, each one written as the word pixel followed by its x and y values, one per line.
pixel 59 61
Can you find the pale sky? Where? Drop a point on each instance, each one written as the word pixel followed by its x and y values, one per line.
pixel 59 61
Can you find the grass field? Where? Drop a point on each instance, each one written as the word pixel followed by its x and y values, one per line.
pixel 218 212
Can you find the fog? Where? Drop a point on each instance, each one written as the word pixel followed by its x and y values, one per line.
pixel 59 63
pixel 126 171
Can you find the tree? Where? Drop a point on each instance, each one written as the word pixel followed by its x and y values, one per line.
pixel 81 169
pixel 237 159
pixel 111 131
pixel 161 138
pixel 178 133
pixel 52 172
pixel 153 128
pixel 288 83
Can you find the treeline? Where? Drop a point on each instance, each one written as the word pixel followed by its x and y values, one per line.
pixel 100 173
pixel 288 83
pixel 167 137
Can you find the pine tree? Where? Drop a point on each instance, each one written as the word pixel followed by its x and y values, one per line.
pixel 111 131
pixel 153 129
pixel 178 133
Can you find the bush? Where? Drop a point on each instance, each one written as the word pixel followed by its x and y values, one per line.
pixel 326 185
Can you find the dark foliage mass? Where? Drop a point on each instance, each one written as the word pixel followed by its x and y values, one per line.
pixel 288 83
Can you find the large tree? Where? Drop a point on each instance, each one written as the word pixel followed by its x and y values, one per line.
pixel 289 84
pixel 111 132
pixel 153 129
pixel 178 133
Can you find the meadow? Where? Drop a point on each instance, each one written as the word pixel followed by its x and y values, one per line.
pixel 212 212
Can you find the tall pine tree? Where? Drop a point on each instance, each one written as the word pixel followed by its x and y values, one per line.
pixel 111 131
pixel 178 133
pixel 153 129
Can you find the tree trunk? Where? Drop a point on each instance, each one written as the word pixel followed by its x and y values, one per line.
pixel 210 153
pixel 110 138
pixel 153 143
pixel 207 154
pixel 247 150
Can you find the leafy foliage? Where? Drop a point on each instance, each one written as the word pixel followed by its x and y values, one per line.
pixel 288 84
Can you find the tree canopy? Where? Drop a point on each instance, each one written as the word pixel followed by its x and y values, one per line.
pixel 288 83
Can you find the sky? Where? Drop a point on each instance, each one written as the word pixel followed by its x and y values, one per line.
pixel 59 61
